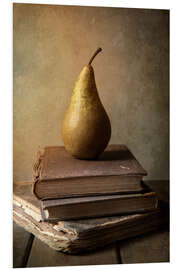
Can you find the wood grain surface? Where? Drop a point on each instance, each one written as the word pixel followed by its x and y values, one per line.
pixel 41 255
pixel 152 247
pixel 22 241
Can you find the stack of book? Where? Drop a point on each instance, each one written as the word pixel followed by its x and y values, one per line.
pixel 69 188
pixel 86 203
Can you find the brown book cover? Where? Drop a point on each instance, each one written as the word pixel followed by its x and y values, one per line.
pixel 75 236
pixel 97 206
pixel 58 175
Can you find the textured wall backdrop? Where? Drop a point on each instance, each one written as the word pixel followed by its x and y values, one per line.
pixel 51 44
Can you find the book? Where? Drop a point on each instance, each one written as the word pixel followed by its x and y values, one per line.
pixel 97 206
pixel 59 175
pixel 76 236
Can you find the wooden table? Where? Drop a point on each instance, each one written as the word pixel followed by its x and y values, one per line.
pixel 28 251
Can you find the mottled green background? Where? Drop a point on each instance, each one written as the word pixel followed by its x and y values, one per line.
pixel 51 44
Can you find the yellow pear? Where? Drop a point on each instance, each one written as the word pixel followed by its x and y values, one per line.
pixel 86 128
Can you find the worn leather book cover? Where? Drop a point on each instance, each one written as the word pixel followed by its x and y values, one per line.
pixel 75 236
pixel 58 175
pixel 97 206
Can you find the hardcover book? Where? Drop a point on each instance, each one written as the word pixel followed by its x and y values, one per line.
pixel 58 175
pixel 97 206
pixel 83 234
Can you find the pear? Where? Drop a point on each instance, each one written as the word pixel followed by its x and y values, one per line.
pixel 86 128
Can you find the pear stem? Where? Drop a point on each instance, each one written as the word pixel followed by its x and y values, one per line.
pixel 94 55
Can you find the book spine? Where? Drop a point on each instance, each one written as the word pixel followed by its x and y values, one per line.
pixel 36 172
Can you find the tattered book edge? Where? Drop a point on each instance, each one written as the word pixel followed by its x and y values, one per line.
pixel 36 171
